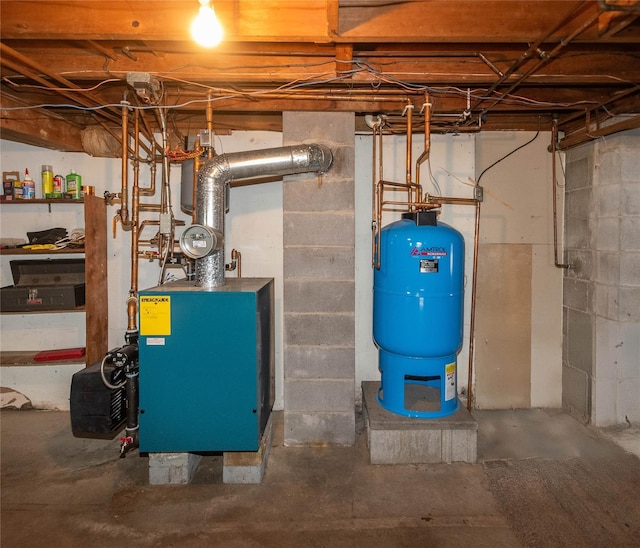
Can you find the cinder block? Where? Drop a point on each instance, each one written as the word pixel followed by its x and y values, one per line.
pixel 319 329
pixel 582 264
pixel 608 267
pixel 629 307
pixel 576 393
pixel 580 338
pixel 630 231
pixel 395 439
pixel 319 296
pixel 607 199
pixel 323 127
pixel 172 468
pixel 321 194
pixel 579 172
pixel 334 262
pixel 323 395
pixel 577 233
pixel 630 268
pixel 326 228
pixel 606 301
pixel 609 165
pixel 302 428
pixel 628 402
pixel 319 362
pixel 608 234
pixel 630 198
pixel 577 294
pixel 248 466
pixel 578 205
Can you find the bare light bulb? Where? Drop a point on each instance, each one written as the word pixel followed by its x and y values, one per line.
pixel 206 28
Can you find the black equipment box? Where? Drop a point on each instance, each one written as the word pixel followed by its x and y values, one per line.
pixel 96 410
pixel 49 284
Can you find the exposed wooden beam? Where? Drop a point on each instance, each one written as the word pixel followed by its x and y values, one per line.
pixel 37 127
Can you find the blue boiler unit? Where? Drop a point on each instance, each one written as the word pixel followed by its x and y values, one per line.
pixel 418 311
pixel 206 365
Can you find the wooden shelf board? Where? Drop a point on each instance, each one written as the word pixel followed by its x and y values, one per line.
pixel 57 311
pixel 42 201
pixel 9 358
pixel 21 251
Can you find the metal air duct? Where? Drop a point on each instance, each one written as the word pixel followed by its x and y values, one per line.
pixel 213 184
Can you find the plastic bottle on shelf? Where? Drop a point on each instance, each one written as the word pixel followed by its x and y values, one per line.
pixel 47 181
pixel 74 185
pixel 28 187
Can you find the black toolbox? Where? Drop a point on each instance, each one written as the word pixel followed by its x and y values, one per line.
pixel 44 284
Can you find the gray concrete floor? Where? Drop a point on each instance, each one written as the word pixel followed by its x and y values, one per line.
pixel 543 480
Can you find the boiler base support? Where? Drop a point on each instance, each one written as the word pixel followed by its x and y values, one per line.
pixel 248 466
pixel 172 468
pixel 396 439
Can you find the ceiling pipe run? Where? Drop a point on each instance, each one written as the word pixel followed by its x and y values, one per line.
pixel 214 179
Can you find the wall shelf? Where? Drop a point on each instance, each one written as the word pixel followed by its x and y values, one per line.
pixel 96 296
pixel 21 251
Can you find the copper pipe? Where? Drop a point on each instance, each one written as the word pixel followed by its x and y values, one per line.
pixel 427 143
pixel 151 189
pixel 210 149
pixel 238 257
pixel 197 164
pixel 236 262
pixel 132 313
pixel 124 190
pixel 409 111
pixel 374 225
pixel 135 207
pixel 554 181
pixel 453 201
pixel 472 325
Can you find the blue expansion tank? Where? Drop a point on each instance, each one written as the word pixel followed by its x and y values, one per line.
pixel 418 313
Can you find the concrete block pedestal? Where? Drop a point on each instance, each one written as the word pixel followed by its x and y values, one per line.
pixel 248 466
pixel 237 467
pixel 395 439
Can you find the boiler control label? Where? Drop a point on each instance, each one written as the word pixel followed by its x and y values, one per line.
pixel 428 265
pixel 155 315
pixel 450 391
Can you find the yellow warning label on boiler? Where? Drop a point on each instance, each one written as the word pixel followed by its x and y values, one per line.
pixel 155 315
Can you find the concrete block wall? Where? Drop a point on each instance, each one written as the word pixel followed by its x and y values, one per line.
pixel 319 286
pixel 601 302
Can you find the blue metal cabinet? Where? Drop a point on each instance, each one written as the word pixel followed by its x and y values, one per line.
pixel 206 366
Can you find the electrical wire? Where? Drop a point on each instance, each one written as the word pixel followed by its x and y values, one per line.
pixel 507 155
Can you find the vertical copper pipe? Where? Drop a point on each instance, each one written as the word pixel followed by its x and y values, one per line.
pixel 409 109
pixel 427 146
pixel 210 149
pixel 132 301
pixel 237 256
pixel 197 164
pixel 554 181
pixel 472 325
pixel 124 190
pixel 374 180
